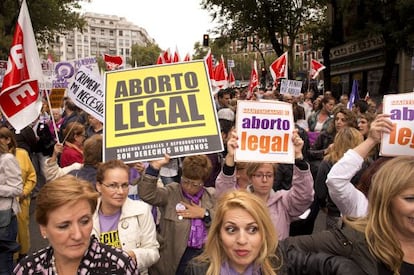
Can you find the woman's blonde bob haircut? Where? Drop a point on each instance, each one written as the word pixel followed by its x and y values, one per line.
pixel 214 252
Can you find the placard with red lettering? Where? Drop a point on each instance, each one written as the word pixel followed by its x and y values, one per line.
pixel 264 130
pixel 400 141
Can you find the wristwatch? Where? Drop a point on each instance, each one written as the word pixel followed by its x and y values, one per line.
pixel 207 217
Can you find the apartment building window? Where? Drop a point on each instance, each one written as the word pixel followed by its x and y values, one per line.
pixel 127 51
pixel 120 33
pixel 102 32
pixel 111 33
pixel 93 31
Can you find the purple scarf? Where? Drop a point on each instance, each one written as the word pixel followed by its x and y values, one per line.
pixel 198 232
pixel 227 270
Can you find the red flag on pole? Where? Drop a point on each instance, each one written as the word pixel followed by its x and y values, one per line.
pixel 209 62
pixel 231 79
pixel 279 67
pixel 20 99
pixel 113 62
pixel 187 57
pixel 220 75
pixel 160 59
pixel 166 56
pixel 176 57
pixel 316 68
pixel 254 81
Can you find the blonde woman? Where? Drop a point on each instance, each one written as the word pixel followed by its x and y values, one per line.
pixel 381 242
pixel 347 138
pixel 241 240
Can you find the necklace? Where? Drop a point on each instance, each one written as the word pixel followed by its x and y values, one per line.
pixel 54 269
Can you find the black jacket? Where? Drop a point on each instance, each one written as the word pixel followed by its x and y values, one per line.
pixel 298 262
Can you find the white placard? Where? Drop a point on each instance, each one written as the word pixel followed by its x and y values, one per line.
pixel 401 140
pixel 293 87
pixel 264 130
pixel 87 92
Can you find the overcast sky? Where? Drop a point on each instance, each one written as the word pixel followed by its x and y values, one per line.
pixel 172 24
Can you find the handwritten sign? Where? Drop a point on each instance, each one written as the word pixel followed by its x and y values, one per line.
pixel 293 87
pixel 87 93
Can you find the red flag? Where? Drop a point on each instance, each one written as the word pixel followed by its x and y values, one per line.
pixel 231 79
pixel 279 67
pixel 254 81
pixel 209 62
pixel 166 56
pixel 176 57
pixel 160 59
pixel 187 57
pixel 113 62
pixel 220 75
pixel 20 99
pixel 316 68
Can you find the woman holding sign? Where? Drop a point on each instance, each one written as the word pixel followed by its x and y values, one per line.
pixel 284 205
pixel 347 197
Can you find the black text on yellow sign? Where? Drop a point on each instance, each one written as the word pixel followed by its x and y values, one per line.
pixel 155 104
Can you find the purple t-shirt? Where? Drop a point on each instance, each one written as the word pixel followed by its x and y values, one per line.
pixel 109 229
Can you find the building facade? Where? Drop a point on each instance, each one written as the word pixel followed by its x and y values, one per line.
pixel 103 34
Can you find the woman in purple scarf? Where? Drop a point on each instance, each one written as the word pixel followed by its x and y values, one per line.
pixel 186 211
pixel 241 240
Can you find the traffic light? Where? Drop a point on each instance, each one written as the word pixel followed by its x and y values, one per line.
pixel 264 72
pixel 205 40
pixel 263 77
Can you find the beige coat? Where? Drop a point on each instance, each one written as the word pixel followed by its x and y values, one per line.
pixel 174 233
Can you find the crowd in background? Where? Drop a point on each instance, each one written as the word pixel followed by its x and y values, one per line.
pixel 208 214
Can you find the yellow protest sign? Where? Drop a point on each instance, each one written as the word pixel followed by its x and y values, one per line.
pixel 150 111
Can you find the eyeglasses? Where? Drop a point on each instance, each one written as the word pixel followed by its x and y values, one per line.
pixel 262 176
pixel 193 183
pixel 114 187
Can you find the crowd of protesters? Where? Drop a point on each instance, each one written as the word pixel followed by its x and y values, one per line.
pixel 168 216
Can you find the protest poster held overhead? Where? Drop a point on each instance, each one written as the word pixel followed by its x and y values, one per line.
pixel 265 130
pixel 156 110
pixel 400 141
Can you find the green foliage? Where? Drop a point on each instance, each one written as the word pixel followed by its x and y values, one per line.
pixel 144 55
pixel 49 17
